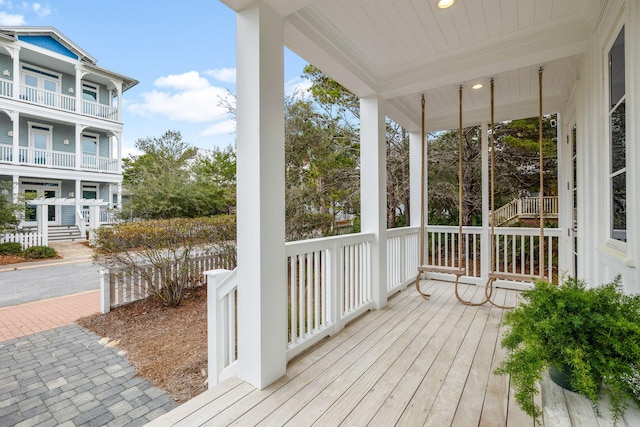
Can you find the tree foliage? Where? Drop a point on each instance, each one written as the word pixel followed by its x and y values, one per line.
pixel 171 179
pixel 168 246
pixel 516 168
pixel 8 211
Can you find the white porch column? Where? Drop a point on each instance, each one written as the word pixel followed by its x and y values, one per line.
pixel 15 130
pixel 78 136
pixel 485 242
pixel 565 197
pixel 16 189
pixel 80 73
pixel 415 174
pixel 373 190
pixel 78 196
pixel 15 57
pixel 262 277
pixel 119 195
pixel 42 220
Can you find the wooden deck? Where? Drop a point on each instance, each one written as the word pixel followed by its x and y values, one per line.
pixel 415 362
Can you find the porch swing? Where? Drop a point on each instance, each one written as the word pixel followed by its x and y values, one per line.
pixel 521 277
pixel 460 270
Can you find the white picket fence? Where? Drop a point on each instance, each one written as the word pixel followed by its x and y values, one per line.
pixel 25 239
pixel 120 286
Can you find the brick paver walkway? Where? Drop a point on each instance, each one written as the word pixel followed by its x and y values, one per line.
pixel 25 319
pixel 65 377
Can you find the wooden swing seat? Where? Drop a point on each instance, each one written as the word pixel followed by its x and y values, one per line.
pixel 458 271
pixel 517 277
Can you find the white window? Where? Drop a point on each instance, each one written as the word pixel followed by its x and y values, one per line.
pixel 89 92
pixel 90 151
pixel 617 140
pixel 39 143
pixel 40 86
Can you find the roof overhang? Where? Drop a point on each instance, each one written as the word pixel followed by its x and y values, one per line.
pixel 402 49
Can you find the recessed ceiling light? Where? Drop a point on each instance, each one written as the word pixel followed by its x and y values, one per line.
pixel 477 86
pixel 445 4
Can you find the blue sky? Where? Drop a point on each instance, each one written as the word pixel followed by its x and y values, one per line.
pixel 182 53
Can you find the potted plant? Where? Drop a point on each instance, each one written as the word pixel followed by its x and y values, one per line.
pixel 593 333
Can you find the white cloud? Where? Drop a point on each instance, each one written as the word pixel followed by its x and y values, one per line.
pixel 188 81
pixel 297 86
pixel 41 10
pixel 226 75
pixel 185 97
pixel 11 20
pixel 223 128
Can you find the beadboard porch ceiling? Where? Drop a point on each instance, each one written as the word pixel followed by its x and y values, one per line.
pixel 402 48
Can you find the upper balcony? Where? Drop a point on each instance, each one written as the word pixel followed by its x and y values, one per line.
pixel 40 67
pixel 59 101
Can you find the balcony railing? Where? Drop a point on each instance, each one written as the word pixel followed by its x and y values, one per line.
pixel 6 88
pixel 57 159
pixel 48 98
pixel 526 207
pixel 59 101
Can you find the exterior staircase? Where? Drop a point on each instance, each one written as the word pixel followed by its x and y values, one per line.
pixel 526 208
pixel 58 233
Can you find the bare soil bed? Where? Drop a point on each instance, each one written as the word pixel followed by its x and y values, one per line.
pixel 167 346
pixel 14 259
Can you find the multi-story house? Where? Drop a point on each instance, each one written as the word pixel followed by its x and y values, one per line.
pixel 60 124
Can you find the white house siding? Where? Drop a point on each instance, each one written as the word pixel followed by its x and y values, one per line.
pixel 601 258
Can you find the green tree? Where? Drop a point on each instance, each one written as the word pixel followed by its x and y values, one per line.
pixel 516 169
pixel 163 181
pixel 8 210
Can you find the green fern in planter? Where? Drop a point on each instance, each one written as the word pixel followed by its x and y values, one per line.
pixel 594 332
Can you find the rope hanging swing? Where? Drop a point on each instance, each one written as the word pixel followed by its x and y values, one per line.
pixel 460 270
pixel 522 277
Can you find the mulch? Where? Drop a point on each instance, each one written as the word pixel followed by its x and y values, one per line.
pixel 168 346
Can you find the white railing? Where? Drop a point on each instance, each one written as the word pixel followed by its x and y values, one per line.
pixel 124 285
pixel 6 88
pixel 99 110
pixel 402 257
pixel 516 251
pixel 47 98
pixel 6 153
pixel 56 159
pixel 222 323
pixel 526 207
pixel 103 164
pixel 107 215
pixel 329 284
pixel 25 239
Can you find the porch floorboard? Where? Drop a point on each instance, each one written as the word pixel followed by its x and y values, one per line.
pixel 415 362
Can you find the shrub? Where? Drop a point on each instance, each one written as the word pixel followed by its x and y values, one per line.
pixel 10 248
pixel 593 332
pixel 37 252
pixel 167 246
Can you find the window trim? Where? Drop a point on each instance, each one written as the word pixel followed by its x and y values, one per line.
pixel 616 244
pixel 93 86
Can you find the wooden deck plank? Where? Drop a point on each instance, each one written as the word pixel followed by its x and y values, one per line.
pixel 554 407
pixel 318 375
pixel 469 407
pixel 195 404
pixel 580 410
pixel 418 409
pixel 496 401
pixel 414 362
pixel 393 407
pixel 447 401
pixel 406 347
